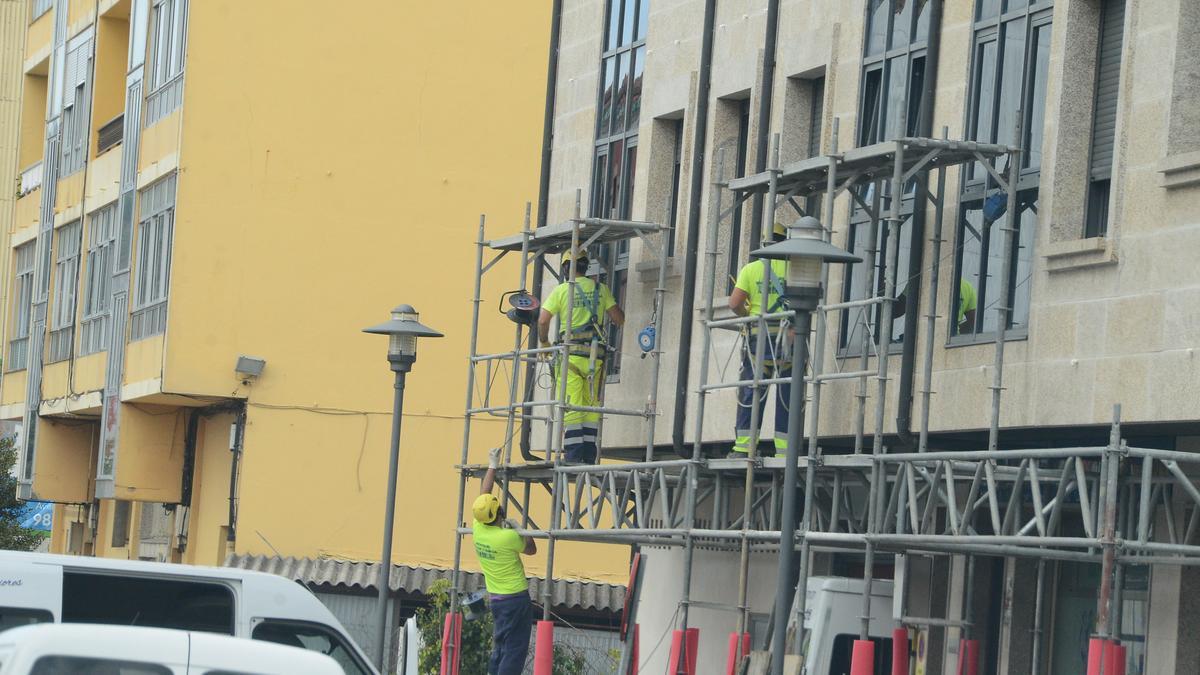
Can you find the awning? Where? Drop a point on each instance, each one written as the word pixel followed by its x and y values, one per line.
pixel 331 572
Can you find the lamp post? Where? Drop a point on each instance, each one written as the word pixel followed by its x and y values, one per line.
pixel 402 330
pixel 805 251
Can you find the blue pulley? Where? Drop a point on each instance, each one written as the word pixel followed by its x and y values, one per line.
pixel 647 338
pixel 995 206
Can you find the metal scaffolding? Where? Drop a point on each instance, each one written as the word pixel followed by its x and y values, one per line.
pixel 1133 505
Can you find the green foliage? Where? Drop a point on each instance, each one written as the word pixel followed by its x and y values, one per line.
pixel 13 537
pixel 567 661
pixel 476 639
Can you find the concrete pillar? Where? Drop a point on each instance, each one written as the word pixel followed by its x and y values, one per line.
pixel 1174 622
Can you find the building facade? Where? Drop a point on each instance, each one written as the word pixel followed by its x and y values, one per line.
pixel 205 181
pixel 1100 98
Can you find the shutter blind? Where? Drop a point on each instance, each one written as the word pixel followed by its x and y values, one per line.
pixel 1108 76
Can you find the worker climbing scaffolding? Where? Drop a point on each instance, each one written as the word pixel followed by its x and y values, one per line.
pixel 758 279
pixel 585 334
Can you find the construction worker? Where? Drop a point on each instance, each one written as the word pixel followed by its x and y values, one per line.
pixel 967 303
pixel 499 549
pixel 588 349
pixel 747 300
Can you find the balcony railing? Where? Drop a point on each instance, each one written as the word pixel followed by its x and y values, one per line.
pixel 93 336
pixel 148 321
pixel 111 134
pixel 61 341
pixel 31 179
pixel 18 354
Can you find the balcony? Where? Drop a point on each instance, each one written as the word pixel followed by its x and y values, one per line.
pixel 30 180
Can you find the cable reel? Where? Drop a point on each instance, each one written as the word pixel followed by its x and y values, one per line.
pixel 523 307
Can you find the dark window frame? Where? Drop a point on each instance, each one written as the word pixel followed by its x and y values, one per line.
pixel 875 125
pixel 741 161
pixel 976 184
pixel 626 25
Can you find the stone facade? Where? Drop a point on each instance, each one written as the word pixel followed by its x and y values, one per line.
pixel 1113 319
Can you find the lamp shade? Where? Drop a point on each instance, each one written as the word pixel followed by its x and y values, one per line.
pixel 404 328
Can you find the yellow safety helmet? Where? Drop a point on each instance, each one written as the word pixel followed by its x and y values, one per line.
pixel 780 231
pixel 485 508
pixel 569 256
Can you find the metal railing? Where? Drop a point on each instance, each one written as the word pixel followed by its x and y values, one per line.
pixel 30 180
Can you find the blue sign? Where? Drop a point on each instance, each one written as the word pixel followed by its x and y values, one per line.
pixel 37 516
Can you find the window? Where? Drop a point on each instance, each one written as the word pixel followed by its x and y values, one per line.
pixel 147 601
pixel 155 230
pixel 13 617
pixel 1011 55
pixel 312 637
pixel 739 169
pixel 87 665
pixel 66 288
pixel 39 7
pixel 18 344
pixel 676 177
pixel 618 112
pixel 120 523
pixel 893 99
pixel 77 105
pixel 1104 119
pixel 96 298
pixel 164 73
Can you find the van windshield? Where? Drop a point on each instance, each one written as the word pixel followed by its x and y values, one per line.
pixel 147 601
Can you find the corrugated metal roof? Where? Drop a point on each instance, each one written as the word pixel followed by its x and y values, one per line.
pixel 568 593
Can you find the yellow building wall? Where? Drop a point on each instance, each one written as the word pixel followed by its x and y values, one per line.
pixel 150 462
pixel 33 121
pixel 143 363
pixel 68 199
pixel 318 188
pixel 13 391
pixel 112 49
pixel 41 34
pixel 103 178
pixel 26 211
pixel 65 463
pixel 210 493
pixel 159 149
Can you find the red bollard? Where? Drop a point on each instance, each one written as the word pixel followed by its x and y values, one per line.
pixel 968 657
pixel 1118 662
pixel 900 651
pixel 543 655
pixel 633 663
pixel 674 661
pixel 451 644
pixel 738 649
pixel 693 649
pixel 862 659
pixel 1095 655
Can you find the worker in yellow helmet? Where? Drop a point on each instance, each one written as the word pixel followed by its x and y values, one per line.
pixel 593 307
pixel 499 549
pixel 757 280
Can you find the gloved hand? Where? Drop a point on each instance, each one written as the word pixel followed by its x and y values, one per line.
pixel 494 458
pixel 512 524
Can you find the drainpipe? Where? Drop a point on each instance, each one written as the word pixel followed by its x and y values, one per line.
pixel 691 258
pixel 237 435
pixel 543 205
pixel 767 94
pixel 916 260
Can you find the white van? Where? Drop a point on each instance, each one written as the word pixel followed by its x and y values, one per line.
pixel 832 621
pixel 58 649
pixel 40 588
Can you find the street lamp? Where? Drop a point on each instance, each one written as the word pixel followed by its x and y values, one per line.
pixel 402 331
pixel 805 251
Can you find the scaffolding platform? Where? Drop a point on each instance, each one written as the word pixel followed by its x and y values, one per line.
pixel 1111 504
